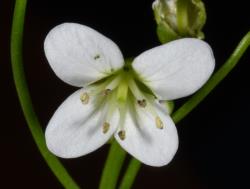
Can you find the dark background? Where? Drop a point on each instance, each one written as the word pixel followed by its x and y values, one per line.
pixel 214 138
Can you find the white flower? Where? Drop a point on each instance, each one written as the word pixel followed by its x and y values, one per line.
pixel 120 98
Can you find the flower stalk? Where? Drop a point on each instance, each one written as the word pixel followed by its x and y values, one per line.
pixel 112 167
pixel 25 100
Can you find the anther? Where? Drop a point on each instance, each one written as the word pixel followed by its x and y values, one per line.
pixel 142 103
pixel 106 92
pixel 122 134
pixel 159 123
pixel 84 98
pixel 97 56
pixel 105 127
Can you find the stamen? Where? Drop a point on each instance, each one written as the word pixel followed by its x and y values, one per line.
pixel 84 98
pixel 114 83
pixel 106 92
pixel 108 85
pixel 109 112
pixel 105 127
pixel 159 123
pixel 122 134
pixel 142 103
pixel 123 108
pixel 135 89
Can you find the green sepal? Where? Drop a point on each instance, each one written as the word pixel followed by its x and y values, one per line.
pixel 179 19
pixel 165 33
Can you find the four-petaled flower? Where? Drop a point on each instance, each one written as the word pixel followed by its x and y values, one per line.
pixel 121 98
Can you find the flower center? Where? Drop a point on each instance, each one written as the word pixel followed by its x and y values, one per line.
pixel 122 91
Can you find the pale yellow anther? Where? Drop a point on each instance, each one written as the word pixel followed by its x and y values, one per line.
pixel 159 123
pixel 122 134
pixel 84 98
pixel 142 103
pixel 105 127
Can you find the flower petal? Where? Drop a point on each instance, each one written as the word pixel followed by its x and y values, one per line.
pixel 79 55
pixel 176 69
pixel 146 142
pixel 76 129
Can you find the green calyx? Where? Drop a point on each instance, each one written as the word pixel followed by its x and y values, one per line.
pixel 179 18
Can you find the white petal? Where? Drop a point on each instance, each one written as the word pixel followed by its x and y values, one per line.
pixel 146 142
pixel 176 69
pixel 80 55
pixel 76 129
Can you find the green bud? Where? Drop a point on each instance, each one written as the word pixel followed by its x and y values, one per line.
pixel 179 18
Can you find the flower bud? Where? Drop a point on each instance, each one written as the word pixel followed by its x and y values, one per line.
pixel 179 18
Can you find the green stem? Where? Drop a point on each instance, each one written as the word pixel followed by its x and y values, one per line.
pixel 187 107
pixel 112 167
pixel 25 99
pixel 130 175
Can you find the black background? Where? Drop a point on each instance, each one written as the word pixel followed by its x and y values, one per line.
pixel 214 138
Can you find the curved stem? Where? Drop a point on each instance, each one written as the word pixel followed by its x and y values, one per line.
pixel 112 166
pixel 187 107
pixel 130 175
pixel 25 99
